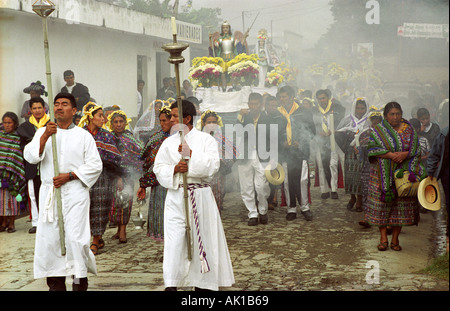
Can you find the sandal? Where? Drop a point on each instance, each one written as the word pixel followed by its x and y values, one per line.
pixel 11 230
pixel 382 246
pixel 396 247
pixel 94 251
pixel 115 236
pixel 101 244
pixel 364 223
pixel 123 240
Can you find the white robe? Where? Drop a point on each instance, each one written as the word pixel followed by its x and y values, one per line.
pixel 77 153
pixel 178 271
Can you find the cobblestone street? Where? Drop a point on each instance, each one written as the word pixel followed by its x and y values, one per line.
pixel 331 252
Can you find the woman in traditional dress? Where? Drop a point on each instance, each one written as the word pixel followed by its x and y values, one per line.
pixel 102 192
pixel 12 173
pixel 130 149
pixel 211 123
pixel 155 221
pixel 375 117
pixel 148 123
pixel 393 145
pixel 349 127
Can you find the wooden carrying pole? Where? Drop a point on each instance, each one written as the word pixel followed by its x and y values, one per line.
pixel 44 8
pixel 175 49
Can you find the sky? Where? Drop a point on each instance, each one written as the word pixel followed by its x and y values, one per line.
pixel 309 18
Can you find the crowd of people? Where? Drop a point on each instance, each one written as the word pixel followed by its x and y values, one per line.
pixel 100 156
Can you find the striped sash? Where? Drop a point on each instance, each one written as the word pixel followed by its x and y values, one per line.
pixel 202 253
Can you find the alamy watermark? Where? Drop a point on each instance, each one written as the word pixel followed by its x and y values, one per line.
pixel 244 142
pixel 373 15
pixel 70 11
pixel 373 275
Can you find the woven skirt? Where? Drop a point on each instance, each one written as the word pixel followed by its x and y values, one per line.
pixel 352 167
pixel 155 221
pixel 120 215
pixel 8 204
pixel 403 211
pixel 101 195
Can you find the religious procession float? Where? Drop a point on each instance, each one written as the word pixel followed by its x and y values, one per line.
pixel 224 79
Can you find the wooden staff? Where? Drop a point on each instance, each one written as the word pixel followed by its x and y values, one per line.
pixel 175 49
pixel 44 8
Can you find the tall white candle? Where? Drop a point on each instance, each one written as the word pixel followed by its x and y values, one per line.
pixel 174 26
pixel 331 128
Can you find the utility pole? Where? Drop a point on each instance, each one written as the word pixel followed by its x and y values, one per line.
pixel 243 21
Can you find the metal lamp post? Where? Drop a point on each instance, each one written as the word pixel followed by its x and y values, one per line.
pixel 44 8
pixel 175 49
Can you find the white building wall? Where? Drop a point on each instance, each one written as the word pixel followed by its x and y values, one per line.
pixel 104 59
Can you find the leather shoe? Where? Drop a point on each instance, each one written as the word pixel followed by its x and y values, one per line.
pixel 263 219
pixel 334 195
pixel 291 216
pixel 308 215
pixel 253 222
pixel 325 196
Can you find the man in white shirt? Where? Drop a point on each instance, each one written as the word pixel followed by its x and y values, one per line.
pixel 210 266
pixel 79 166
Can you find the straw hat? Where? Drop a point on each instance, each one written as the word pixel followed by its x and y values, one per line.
pixel 429 195
pixel 275 176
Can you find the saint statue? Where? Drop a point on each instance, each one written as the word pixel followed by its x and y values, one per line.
pixel 226 44
pixel 261 51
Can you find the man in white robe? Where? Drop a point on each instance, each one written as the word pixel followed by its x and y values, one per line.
pixel 210 267
pixel 79 166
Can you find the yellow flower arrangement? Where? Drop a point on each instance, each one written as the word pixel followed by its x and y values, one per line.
pixel 315 70
pixel 205 71
pixel 243 58
pixel 288 73
pixel 274 78
pixel 336 70
pixel 216 61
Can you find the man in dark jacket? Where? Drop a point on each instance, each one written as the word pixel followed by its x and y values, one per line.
pixel 78 90
pixel 327 115
pixel 296 136
pixel 26 131
pixel 253 151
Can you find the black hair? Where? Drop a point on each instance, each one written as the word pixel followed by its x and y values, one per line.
pixel 391 105
pixel 188 109
pixel 36 100
pixel 12 116
pixel 288 90
pixel 270 98
pixel 68 73
pixel 373 118
pixel 68 96
pixel 255 96
pixel 307 93
pixel 319 92
pixel 194 100
pixel 89 105
pixel 423 112
pixel 164 111
pixel 415 124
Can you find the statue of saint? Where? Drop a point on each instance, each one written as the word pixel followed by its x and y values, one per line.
pixel 226 44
